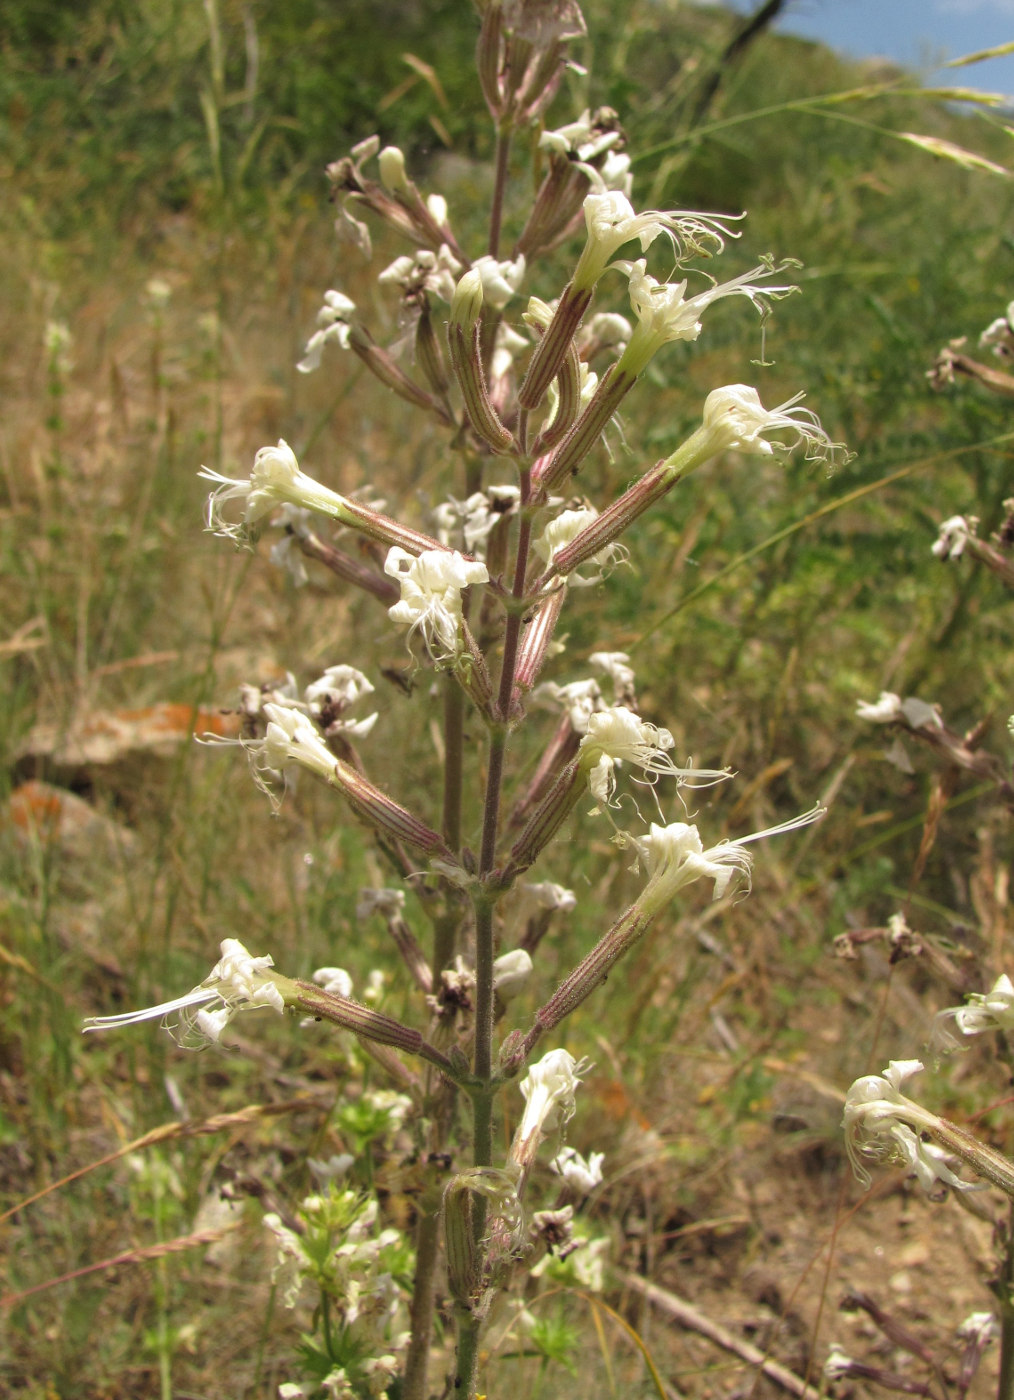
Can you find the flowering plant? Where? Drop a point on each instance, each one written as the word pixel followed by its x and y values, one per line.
pixel 478 591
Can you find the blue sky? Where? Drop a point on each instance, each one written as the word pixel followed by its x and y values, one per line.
pixel 917 33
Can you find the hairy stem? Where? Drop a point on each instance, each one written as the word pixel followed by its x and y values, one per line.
pixel 427 1252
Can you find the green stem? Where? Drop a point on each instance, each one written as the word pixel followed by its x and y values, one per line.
pixel 467 1370
pixel 454 729
pixel 427 1250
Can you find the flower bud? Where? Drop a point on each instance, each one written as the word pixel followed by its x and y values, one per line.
pixel 466 303
pixel 392 170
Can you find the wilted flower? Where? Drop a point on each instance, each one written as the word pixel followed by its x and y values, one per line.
pixel 882 1125
pixel 237 982
pixel 891 709
pixel 337 690
pixel 984 1011
pixel 954 535
pixel 431 586
pixel 1000 334
pixel 582 138
pixel 839 1364
pixel 548 1088
pixel 471 521
pixel 616 665
pixel 332 324
pixel 978 1327
pixel 581 1174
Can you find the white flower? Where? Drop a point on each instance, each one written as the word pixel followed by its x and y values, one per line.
pixel 426 272
pixel 470 521
pixel 510 973
pixel 891 709
pixel 332 324
pixel 546 895
pixel 237 982
pixel 614 173
pixel 334 980
pixel 395 1106
pixel 507 345
pixel 1000 334
pixel 617 735
pixel 375 980
pixel 674 857
pixel 739 419
pixel 611 222
pixel 582 138
pixel 337 690
pixel 979 1327
pixel 664 312
pixel 581 1175
pixel 562 531
pixel 291 737
pixel 431 585
pixel 984 1011
pixel 275 479
pixel 500 280
pixel 616 665
pixel 838 1365
pixel 954 535
pixel 580 700
pixel 549 1088
pixel 882 1125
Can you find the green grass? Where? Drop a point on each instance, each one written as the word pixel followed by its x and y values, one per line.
pixel 759 605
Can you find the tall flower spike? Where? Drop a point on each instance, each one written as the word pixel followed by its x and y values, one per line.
pixel 237 982
pixel 430 604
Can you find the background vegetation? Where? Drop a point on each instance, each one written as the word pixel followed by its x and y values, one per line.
pixel 184 145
